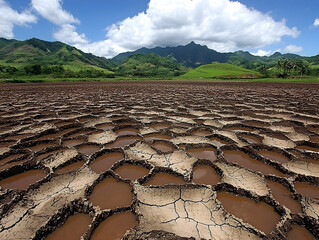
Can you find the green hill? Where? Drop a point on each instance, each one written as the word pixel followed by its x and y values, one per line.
pixel 149 65
pixel 191 55
pixel 218 70
pixel 37 57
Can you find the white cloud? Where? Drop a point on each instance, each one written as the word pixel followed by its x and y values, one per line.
pixel 222 25
pixel 262 53
pixel 316 22
pixel 292 49
pixel 10 17
pixel 52 11
pixel 67 33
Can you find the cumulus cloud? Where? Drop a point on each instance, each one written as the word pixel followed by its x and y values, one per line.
pixel 52 11
pixel 10 17
pixel 292 49
pixel 222 25
pixel 262 53
pixel 316 22
pixel 67 33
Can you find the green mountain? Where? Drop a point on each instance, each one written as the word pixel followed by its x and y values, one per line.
pixel 219 70
pixel 149 65
pixel 35 56
pixel 194 55
pixel 191 55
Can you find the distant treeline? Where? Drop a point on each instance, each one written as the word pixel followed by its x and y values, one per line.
pixel 56 71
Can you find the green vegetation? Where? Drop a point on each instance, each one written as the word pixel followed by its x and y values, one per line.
pixel 35 60
pixel 150 65
pixel 35 57
pixel 220 71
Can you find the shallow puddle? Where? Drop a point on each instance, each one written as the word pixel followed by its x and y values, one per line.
pixel 307 189
pixel 235 129
pixel 161 179
pixel 201 133
pixel 246 161
pixel 50 136
pixel 11 164
pixel 274 156
pixel 70 168
pixel 260 215
pixel 72 143
pixel 88 149
pixel 299 233
pixel 250 139
pixel 23 180
pixel 203 153
pixel 157 136
pixel 127 131
pixel 40 147
pixel 302 158
pixel 163 147
pixel 9 158
pixel 85 132
pixel 105 162
pixel 111 194
pixel 123 142
pixel 205 175
pixel 308 148
pixel 160 126
pixel 18 137
pixel 284 196
pixel 74 227
pixel 314 139
pixel 256 123
pixel 131 172
pixel 115 227
pixel 106 126
pixel 7 144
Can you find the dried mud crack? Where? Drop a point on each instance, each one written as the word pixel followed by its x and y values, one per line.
pixel 159 160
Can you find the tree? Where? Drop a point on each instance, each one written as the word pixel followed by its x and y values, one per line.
pixel 302 67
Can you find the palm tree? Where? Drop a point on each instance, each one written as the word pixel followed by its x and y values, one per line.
pixel 279 66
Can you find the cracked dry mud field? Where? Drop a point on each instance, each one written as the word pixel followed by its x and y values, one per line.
pixel 159 160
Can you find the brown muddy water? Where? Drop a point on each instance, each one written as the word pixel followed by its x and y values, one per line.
pixel 74 227
pixel 307 189
pixel 203 153
pixel 277 157
pixel 131 172
pixel 260 215
pixel 114 227
pixel 246 161
pixel 205 175
pixel 111 194
pixel 157 136
pixel 106 161
pixel 88 149
pixel 23 180
pixel 284 196
pixel 161 179
pixel 163 147
pixel 299 233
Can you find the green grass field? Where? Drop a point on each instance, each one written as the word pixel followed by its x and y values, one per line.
pixel 215 70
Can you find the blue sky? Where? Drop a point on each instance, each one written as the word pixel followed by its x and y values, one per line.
pixel 108 27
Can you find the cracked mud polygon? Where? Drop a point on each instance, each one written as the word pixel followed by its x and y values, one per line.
pixel 159 160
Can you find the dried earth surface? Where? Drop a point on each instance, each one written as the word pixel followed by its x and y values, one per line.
pixel 159 160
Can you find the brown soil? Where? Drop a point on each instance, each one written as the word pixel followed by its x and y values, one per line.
pixel 159 160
